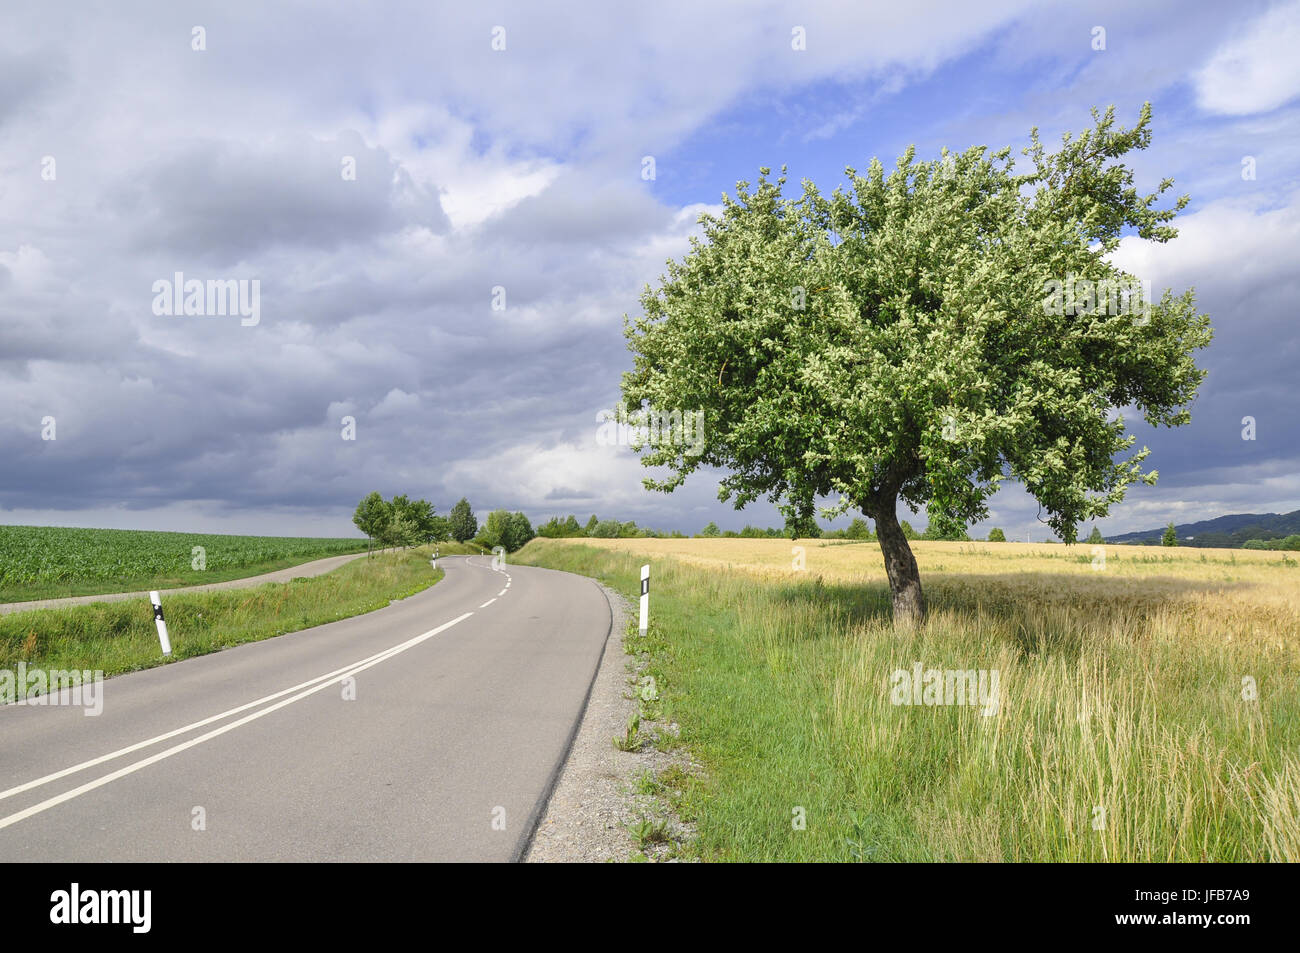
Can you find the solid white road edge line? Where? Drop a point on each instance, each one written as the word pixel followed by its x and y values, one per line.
pixel 326 680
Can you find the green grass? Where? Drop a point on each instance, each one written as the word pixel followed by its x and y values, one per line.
pixel 782 691
pixel 44 562
pixel 121 636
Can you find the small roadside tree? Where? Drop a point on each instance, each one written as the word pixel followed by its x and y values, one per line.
pixel 372 517
pixel 1170 538
pixel 906 339
pixel 463 524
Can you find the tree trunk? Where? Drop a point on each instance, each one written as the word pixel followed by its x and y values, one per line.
pixel 900 566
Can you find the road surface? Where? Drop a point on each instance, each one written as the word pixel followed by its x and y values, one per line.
pixel 317 567
pixel 465 699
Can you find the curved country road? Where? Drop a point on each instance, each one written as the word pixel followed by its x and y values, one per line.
pixel 317 567
pixel 431 730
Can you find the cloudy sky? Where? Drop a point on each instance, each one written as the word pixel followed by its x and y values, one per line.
pixel 381 169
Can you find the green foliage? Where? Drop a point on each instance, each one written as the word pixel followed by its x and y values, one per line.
pixel 518 531
pixel 413 522
pixel 439 529
pixel 494 529
pixel 590 528
pixel 893 340
pixel 631 739
pixel 907 530
pixel 1095 537
pixel 997 536
pixel 464 525
pixel 606 529
pixel 939 531
pixel 858 529
pixel 711 530
pixel 1291 543
pixel 1170 538
pixel 373 516
pixel 400 521
pixel 800 524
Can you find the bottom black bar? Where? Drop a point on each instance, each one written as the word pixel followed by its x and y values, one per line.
pixel 139 902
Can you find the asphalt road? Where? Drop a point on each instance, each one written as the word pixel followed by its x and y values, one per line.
pixel 466 698
pixel 317 567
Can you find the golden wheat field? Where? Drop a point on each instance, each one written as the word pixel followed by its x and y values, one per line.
pixel 1150 702
pixel 1215 594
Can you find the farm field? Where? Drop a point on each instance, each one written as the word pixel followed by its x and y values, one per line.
pixel 117 637
pixel 39 562
pixel 1147 709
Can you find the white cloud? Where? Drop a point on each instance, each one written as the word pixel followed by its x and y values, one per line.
pixel 1257 70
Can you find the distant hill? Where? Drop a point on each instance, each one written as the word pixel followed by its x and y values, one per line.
pixel 1223 531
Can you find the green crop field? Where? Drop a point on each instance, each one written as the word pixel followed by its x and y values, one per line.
pixel 43 562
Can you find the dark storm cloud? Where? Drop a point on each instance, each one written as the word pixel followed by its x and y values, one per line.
pixel 222 202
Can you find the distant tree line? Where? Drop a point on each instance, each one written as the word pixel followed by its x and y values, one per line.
pixel 1290 543
pixel 405 522
pixel 596 528
pixel 402 521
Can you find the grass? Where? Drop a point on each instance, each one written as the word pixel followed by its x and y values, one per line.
pixel 45 562
pixel 1149 711
pixel 120 637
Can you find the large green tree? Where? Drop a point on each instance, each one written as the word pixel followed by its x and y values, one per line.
pixel 905 338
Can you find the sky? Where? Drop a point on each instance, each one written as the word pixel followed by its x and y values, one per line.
pixel 448 213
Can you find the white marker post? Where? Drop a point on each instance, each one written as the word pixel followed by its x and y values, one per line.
pixel 645 599
pixel 161 622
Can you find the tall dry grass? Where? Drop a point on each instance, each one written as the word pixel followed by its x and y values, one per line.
pixel 1148 711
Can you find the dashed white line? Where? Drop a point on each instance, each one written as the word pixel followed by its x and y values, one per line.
pixel 488 603
pixel 502 592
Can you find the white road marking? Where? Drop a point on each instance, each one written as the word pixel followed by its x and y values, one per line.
pixel 179 731
pixel 502 592
pixel 331 679
pixel 488 603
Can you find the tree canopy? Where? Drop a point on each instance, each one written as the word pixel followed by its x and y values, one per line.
pixel 906 338
pixel 462 522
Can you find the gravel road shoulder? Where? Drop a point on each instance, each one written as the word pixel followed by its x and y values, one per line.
pixel 608 804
